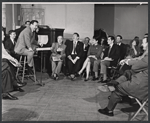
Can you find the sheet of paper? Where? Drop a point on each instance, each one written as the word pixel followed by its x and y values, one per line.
pixel 42 39
pixel 43 49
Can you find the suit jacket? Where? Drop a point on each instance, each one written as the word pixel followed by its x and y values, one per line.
pixel 138 85
pixel 122 51
pixel 24 40
pixel 78 49
pixel 85 51
pixel 54 50
pixel 9 46
pixel 114 54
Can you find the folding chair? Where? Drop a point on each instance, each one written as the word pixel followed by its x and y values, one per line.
pixel 142 107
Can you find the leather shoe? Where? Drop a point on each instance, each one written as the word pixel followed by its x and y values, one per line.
pixel 10 97
pixel 105 111
pixel 95 78
pixel 86 79
pixel 21 85
pixel 104 81
pixel 18 89
pixel 77 75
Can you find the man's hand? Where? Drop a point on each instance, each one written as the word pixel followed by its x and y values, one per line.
pixel 30 49
pixel 107 58
pixel 40 44
pixel 69 57
pixel 75 60
pixel 59 49
pixel 122 62
pixel 92 56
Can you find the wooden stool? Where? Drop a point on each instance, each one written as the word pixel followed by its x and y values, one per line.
pixel 22 71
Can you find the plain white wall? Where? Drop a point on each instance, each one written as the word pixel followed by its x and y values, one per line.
pixel 131 20
pixel 80 18
pixel 71 17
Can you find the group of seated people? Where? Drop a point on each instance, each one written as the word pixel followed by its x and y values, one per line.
pixel 133 82
pixel 87 56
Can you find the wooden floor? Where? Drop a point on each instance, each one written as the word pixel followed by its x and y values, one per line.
pixel 62 100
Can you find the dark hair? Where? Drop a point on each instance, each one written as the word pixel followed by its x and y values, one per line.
pixel 136 39
pixel 112 38
pixel 119 36
pixel 33 21
pixel 27 22
pixel 105 43
pixel 87 38
pixel 76 34
pixel 95 37
pixel 11 31
pixel 146 34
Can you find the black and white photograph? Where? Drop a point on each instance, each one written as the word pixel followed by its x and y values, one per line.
pixel 74 61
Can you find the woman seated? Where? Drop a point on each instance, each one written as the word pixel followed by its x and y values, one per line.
pixel 57 57
pixel 9 82
pixel 133 51
pixel 94 53
pixel 104 45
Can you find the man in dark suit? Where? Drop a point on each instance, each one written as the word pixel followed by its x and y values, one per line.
pixel 122 46
pixel 74 52
pixel 111 56
pixel 136 85
pixel 9 44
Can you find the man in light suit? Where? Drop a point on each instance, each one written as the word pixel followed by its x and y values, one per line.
pixel 136 85
pixel 23 45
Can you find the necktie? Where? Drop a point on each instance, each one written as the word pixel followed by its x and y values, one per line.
pixel 74 47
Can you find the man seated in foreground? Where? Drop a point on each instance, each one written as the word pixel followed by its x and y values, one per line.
pixel 136 85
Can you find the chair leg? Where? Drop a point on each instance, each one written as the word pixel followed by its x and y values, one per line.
pixel 141 108
pixel 18 67
pixel 142 105
pixel 34 73
pixel 24 65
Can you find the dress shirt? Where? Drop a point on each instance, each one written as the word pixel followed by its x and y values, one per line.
pixel 74 47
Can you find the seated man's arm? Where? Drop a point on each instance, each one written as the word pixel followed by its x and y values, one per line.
pixel 139 65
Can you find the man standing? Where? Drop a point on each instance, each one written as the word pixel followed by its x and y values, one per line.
pixel 23 45
pixel 74 52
